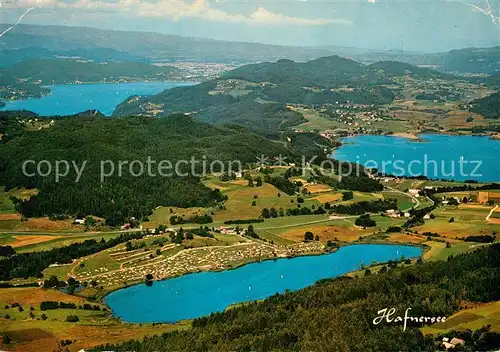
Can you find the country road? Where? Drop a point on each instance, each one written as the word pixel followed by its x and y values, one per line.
pixel 491 213
pixel 417 202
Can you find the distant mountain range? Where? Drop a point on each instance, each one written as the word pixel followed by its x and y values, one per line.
pixel 35 41
pixel 147 46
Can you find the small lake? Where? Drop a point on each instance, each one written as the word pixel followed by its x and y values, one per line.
pixel 435 156
pixel 69 99
pixel 196 295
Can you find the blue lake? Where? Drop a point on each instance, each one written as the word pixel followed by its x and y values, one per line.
pixel 69 99
pixel 457 158
pixel 196 295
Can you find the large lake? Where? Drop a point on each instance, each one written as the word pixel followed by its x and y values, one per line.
pixel 69 99
pixel 435 156
pixel 196 295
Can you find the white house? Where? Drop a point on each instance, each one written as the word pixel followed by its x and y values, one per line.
pixel 414 192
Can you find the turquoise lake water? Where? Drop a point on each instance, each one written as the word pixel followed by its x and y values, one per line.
pixel 436 156
pixel 196 295
pixel 69 99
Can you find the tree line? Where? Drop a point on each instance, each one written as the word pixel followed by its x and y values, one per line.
pixel 25 265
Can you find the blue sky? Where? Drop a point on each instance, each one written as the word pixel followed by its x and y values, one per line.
pixel 412 25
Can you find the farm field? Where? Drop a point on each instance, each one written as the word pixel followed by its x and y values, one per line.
pixel 473 318
pixel 38 335
pixel 6 205
pixel 468 219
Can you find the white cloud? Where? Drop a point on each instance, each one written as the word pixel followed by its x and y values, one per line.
pixel 178 10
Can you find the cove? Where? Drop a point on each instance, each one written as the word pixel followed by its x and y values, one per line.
pixel 69 99
pixel 435 156
pixel 199 294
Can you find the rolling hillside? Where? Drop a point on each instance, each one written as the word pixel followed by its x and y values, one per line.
pixel 256 95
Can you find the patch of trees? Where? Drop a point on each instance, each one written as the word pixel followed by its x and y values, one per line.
pixel 201 231
pixel 251 232
pixel 48 305
pixel 273 213
pixel 365 221
pixel 360 183
pixel 362 207
pixel 293 172
pixel 284 322
pixel 72 319
pixel 431 234
pixel 488 107
pixel 282 184
pixel 25 265
pixel 482 339
pixel 197 219
pixel 6 251
pixel 479 238
pixel 393 229
pixel 347 195
pixel 308 236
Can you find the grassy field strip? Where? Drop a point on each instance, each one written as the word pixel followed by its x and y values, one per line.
pixel 306 223
pixel 474 318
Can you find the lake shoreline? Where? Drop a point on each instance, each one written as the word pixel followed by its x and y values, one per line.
pixel 70 99
pixel 324 256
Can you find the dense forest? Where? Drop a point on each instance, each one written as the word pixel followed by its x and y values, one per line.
pixel 96 139
pixel 488 107
pixel 266 118
pixel 337 314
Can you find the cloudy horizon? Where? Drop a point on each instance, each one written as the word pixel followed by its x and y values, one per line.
pixel 423 26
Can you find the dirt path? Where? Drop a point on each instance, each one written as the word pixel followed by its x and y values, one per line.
pixel 491 213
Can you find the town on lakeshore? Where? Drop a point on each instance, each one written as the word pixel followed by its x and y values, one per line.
pixel 194 192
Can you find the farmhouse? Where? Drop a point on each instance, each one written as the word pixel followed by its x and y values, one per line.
pixel 414 192
pixel 485 197
pixel 227 230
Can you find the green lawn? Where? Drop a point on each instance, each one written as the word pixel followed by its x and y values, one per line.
pixel 66 241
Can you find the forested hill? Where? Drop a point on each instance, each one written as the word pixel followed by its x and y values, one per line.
pixel 256 95
pixel 329 72
pixel 489 107
pixel 337 315
pixel 395 68
pixel 96 139
pixel 57 71
pixel 472 60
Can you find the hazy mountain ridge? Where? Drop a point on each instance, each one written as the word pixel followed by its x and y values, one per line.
pixel 16 56
pixel 112 45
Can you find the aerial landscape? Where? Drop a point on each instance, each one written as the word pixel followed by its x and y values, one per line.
pixel 249 176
